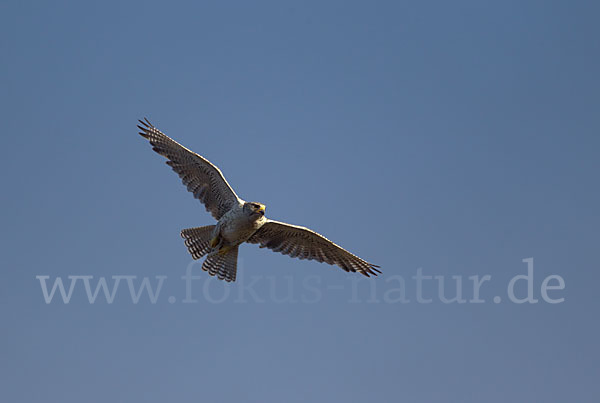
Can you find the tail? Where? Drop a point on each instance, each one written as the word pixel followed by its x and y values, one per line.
pixel 197 240
pixel 224 266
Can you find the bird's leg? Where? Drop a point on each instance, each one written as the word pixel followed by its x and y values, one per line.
pixel 220 251
pixel 215 245
pixel 224 250
pixel 215 241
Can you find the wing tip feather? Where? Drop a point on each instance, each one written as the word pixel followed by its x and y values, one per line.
pixel 145 127
pixel 371 270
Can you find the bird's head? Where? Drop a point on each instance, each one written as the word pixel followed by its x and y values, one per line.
pixel 254 210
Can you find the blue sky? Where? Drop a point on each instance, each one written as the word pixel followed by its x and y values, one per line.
pixel 455 137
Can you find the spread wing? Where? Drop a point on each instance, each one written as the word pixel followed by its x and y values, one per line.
pixel 303 243
pixel 202 178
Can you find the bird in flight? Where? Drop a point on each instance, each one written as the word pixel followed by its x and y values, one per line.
pixel 239 221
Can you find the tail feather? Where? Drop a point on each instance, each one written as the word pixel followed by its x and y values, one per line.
pixel 197 240
pixel 222 266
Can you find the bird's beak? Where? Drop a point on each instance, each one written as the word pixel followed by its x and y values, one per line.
pixel 262 209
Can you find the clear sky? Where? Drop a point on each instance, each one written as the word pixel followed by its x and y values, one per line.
pixel 458 138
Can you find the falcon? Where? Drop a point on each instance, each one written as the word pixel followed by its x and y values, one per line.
pixel 239 221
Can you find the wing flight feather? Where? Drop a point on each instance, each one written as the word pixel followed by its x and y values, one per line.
pixel 203 179
pixel 304 243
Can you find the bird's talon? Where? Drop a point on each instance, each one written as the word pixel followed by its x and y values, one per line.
pixel 224 250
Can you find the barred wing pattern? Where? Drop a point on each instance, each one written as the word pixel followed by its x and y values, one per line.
pixel 202 178
pixel 303 243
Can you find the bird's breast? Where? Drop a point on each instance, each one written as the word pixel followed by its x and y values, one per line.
pixel 238 230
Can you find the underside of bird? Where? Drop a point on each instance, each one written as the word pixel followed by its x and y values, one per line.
pixel 239 221
pixel 221 260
